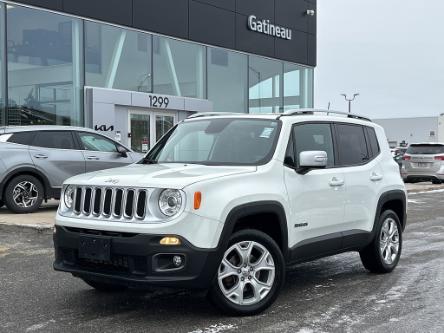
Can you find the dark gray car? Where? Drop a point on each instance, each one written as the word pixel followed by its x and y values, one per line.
pixel 35 160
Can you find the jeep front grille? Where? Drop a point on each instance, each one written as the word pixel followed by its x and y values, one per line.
pixel 113 203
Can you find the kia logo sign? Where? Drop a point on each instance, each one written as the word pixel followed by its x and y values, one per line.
pixel 104 128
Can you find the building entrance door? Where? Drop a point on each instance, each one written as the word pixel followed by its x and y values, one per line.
pixel 145 128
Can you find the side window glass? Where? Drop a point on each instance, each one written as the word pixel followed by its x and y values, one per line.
pixel 54 139
pixel 352 147
pixel 94 142
pixel 309 137
pixel 23 138
pixel 373 141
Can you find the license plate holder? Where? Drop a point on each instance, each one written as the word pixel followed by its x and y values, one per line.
pixel 95 248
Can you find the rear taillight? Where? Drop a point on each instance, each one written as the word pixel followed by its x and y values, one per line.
pixel 406 157
pixel 439 158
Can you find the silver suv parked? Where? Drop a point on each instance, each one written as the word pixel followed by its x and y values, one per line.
pixel 35 160
pixel 424 162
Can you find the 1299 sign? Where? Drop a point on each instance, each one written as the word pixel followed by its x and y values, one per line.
pixel 158 101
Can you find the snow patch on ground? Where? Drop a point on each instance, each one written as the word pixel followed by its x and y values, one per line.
pixel 39 326
pixel 216 328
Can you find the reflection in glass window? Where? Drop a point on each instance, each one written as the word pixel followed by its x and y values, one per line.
pixel 227 80
pixel 309 137
pixel 95 142
pixel 179 68
pixel 44 78
pixel 2 74
pixel 298 87
pixel 265 80
pixel 117 58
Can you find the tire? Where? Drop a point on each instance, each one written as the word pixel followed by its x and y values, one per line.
pixel 31 196
pixel 265 253
pixel 379 261
pixel 1 203
pixel 105 287
pixel 436 181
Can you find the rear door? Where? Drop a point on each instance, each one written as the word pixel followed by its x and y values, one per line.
pixel 100 152
pixel 56 155
pixel 363 175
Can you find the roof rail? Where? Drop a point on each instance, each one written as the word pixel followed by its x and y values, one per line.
pixel 301 112
pixel 212 114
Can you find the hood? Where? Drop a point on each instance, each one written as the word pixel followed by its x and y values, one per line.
pixel 168 175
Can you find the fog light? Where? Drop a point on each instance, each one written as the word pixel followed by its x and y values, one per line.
pixel 169 240
pixel 177 261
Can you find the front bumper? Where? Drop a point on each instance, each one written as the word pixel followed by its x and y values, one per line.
pixel 136 260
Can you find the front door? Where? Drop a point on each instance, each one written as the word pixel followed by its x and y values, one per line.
pixel 317 197
pixel 145 128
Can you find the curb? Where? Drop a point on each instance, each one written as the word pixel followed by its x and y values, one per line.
pixel 46 229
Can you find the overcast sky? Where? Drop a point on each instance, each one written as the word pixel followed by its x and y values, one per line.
pixel 390 51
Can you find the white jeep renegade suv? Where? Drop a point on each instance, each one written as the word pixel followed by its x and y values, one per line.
pixel 226 202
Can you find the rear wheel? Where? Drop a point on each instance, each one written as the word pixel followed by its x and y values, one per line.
pixel 24 194
pixel 382 255
pixel 105 287
pixel 250 275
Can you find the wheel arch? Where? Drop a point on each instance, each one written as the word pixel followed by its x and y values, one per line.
pixel 241 217
pixel 395 200
pixel 26 171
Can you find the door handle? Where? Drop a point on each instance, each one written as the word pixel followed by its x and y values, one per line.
pixel 375 177
pixel 336 182
pixel 92 158
pixel 40 156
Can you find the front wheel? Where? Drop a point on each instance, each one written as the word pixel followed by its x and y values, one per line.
pixel 382 255
pixel 250 275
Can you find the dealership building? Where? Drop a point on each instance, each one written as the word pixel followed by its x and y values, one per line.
pixel 133 68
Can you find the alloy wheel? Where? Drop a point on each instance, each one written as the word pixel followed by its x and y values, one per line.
pixel 247 273
pixel 389 241
pixel 25 194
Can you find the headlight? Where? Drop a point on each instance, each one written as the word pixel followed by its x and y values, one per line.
pixel 69 196
pixel 170 202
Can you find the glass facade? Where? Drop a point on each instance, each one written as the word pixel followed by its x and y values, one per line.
pixel 46 59
pixel 179 68
pixel 227 80
pixel 44 76
pixel 265 83
pixel 117 58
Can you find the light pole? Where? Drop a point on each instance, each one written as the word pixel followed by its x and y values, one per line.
pixel 349 100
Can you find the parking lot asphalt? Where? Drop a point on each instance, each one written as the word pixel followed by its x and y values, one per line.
pixel 334 294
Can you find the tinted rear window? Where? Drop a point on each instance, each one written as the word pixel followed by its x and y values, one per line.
pixel 54 139
pixel 23 138
pixel 425 149
pixel 352 147
pixel 373 141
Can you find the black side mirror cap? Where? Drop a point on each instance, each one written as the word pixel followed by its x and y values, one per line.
pixel 122 151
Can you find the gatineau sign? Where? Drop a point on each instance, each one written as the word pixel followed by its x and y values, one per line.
pixel 267 28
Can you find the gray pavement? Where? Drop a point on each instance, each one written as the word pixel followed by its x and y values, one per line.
pixel 334 294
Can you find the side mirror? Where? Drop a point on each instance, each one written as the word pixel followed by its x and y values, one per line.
pixel 312 160
pixel 122 151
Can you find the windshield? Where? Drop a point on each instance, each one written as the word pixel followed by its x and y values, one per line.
pixel 425 149
pixel 220 141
